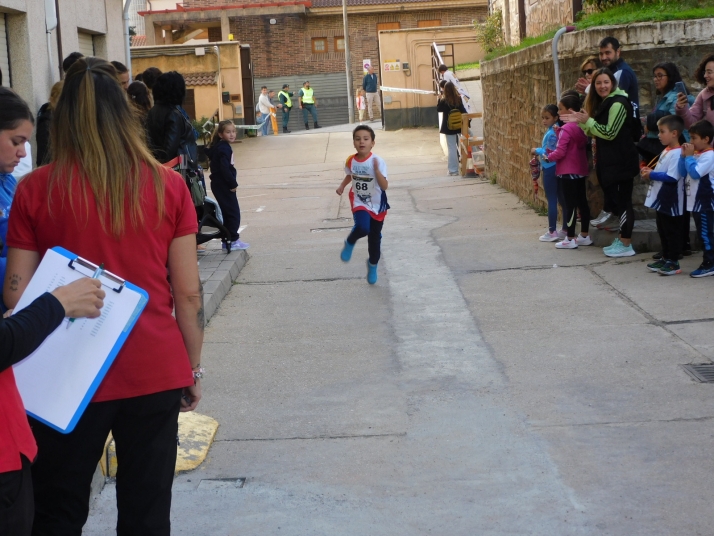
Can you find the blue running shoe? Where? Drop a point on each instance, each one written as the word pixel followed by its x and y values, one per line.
pixel 346 254
pixel 703 271
pixel 371 273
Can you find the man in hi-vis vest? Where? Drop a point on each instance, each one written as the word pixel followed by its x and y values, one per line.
pixel 308 103
pixel 286 100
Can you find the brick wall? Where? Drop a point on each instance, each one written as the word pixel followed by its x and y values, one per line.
pixel 517 86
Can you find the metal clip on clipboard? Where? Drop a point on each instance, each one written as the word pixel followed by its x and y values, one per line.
pixel 108 279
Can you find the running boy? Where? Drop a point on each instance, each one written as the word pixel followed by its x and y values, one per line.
pixel 697 164
pixel 666 195
pixel 368 174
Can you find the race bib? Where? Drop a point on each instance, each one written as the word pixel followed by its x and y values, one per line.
pixel 363 188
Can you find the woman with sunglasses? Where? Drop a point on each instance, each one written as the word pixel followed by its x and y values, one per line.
pixel 587 68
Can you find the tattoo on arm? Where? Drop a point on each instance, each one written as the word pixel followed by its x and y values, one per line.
pixel 15 282
pixel 201 315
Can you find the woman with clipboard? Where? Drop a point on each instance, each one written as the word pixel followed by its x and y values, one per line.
pixel 105 197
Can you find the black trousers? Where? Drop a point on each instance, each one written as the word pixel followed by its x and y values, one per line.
pixel 669 229
pixel 621 194
pixel 367 226
pixel 144 430
pixel 228 201
pixel 686 239
pixel 576 198
pixel 17 506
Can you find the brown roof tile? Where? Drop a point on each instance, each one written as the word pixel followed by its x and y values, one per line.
pixel 200 79
pixel 138 41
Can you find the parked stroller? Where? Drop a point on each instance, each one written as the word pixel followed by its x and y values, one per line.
pixel 208 213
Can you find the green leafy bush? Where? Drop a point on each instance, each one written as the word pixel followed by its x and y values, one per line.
pixel 489 34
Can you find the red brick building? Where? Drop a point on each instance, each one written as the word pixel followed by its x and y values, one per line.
pixel 294 41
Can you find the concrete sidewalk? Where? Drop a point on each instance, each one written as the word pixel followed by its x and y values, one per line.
pixel 488 384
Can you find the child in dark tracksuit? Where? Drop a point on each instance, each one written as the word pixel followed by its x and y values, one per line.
pixel 223 179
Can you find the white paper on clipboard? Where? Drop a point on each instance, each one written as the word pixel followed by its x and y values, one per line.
pixel 58 380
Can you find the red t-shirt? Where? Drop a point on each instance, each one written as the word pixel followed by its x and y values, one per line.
pixel 154 357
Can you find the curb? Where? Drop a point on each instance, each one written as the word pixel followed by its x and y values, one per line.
pixel 218 271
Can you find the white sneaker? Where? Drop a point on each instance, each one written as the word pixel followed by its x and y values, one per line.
pixel 567 244
pixel 583 240
pixel 549 237
pixel 600 218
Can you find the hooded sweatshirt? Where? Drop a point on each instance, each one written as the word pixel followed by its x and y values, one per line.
pixel 222 168
pixel 569 156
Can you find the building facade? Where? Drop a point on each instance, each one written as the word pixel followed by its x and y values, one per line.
pixel 299 40
pixel 31 61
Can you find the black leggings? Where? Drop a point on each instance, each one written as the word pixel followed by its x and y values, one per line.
pixel 621 194
pixel 575 193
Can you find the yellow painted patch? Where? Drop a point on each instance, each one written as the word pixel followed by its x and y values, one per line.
pixel 196 433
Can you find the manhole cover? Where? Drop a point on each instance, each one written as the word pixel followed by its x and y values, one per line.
pixel 703 372
pixel 221 483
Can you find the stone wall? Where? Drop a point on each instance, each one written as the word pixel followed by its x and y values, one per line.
pixel 517 86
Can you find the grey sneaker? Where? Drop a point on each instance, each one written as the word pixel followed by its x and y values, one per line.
pixel 610 223
pixel 600 218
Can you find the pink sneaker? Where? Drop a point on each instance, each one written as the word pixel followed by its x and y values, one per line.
pixel 549 237
pixel 567 244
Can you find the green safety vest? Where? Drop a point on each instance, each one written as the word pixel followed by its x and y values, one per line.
pixel 288 100
pixel 307 96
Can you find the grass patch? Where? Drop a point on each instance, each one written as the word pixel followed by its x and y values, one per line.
pixel 464 66
pixel 525 43
pixel 648 11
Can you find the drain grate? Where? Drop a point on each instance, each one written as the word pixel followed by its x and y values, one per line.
pixel 703 372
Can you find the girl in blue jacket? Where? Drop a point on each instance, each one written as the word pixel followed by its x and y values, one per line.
pixel 549 119
pixel 223 179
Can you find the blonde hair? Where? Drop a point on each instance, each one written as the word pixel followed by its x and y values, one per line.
pixel 55 93
pixel 220 128
pixel 588 60
pixel 99 145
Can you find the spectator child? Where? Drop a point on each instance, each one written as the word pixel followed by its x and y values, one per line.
pixel 361 104
pixel 223 179
pixel 571 170
pixel 549 119
pixel 697 164
pixel 368 174
pixel 666 195
pixel 451 103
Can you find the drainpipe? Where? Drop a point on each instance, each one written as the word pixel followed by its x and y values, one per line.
pixel 127 37
pixel 558 34
pixel 220 84
pixel 50 26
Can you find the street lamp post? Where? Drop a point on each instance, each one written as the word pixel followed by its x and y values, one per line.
pixel 348 66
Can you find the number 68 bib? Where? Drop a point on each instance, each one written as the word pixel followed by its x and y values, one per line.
pixel 363 187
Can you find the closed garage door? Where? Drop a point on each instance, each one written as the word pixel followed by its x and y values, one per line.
pixel 86 43
pixel 330 92
pixel 4 56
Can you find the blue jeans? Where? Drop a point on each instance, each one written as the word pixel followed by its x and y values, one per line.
pixel 452 142
pixel 367 226
pixel 264 120
pixel 554 195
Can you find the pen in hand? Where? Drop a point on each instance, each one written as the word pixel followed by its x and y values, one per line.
pixel 97 273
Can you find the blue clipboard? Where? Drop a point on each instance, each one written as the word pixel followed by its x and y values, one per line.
pixel 111 283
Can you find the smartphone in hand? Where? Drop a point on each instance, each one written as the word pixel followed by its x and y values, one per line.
pixel 679 88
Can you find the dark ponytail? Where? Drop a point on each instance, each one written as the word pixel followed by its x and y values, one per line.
pixel 571 102
pixel 552 109
pixel 13 110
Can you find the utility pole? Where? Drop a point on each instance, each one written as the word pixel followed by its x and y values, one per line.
pixel 348 66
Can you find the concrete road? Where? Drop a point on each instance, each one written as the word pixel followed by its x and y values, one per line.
pixel 489 384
